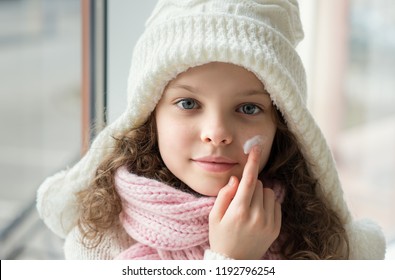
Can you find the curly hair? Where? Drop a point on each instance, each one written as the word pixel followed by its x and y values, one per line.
pixel 311 228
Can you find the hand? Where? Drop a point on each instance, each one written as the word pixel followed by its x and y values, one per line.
pixel 246 218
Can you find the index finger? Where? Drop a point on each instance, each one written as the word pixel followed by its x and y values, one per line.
pixel 250 176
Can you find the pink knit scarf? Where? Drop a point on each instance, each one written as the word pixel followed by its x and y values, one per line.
pixel 166 223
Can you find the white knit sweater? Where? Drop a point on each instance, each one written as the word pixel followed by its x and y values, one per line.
pixel 113 243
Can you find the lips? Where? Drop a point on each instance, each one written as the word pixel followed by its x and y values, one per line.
pixel 215 163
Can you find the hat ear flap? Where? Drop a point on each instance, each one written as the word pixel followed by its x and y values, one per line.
pixel 366 240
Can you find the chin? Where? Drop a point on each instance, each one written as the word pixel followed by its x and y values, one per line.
pixel 207 191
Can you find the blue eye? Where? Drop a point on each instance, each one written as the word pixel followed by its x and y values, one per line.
pixel 187 104
pixel 249 109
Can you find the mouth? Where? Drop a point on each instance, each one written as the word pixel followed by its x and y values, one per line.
pixel 215 164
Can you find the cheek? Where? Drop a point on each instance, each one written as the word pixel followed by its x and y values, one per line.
pixel 173 138
pixel 265 156
pixel 268 134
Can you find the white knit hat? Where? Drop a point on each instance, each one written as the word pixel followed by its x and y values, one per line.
pixel 260 36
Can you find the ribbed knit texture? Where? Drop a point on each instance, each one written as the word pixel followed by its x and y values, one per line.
pixel 166 223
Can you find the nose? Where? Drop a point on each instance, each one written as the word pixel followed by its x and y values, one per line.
pixel 217 130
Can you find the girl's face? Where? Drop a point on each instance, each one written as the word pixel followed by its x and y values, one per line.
pixel 205 116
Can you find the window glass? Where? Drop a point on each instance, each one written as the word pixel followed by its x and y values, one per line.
pixel 349 56
pixel 366 144
pixel 40 70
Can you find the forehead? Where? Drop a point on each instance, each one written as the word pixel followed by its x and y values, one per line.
pixel 220 75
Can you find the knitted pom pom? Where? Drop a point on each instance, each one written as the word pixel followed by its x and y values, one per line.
pixel 366 240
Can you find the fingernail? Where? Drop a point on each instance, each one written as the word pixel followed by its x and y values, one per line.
pixel 231 181
pixel 258 148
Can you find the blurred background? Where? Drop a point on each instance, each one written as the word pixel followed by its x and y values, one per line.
pixel 63 61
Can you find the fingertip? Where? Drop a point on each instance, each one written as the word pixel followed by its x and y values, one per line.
pixel 232 181
pixel 257 151
pixel 229 188
pixel 258 148
pixel 224 198
pixel 253 160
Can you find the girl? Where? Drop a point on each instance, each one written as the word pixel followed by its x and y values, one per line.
pixel 169 179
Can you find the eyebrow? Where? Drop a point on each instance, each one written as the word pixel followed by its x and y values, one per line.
pixel 255 92
pixel 186 87
pixel 196 90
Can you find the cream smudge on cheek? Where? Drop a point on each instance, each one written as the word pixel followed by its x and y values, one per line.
pixel 250 143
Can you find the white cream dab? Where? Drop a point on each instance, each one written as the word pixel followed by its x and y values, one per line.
pixel 250 143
